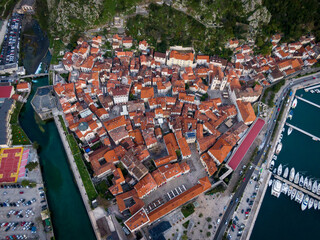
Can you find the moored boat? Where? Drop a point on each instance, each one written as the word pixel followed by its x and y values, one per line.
pixel 294 103
pixel 315 204
pixel 314 186
pixel 293 193
pixel 309 185
pixel 286 172
pixel 292 173
pixel 279 147
pixel 304 203
pixel 318 190
pixel 290 191
pixel 290 115
pixel 279 171
pixel 271 165
pixel 305 183
pixel 276 188
pixel 296 178
pixel 289 130
pixel 310 204
pixel 299 196
pixel 284 188
pixel 301 181
pixel 270 182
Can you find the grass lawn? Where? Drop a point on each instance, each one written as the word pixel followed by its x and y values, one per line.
pixel 187 210
pixel 186 224
pixel 219 188
pixel 19 137
pixel 63 124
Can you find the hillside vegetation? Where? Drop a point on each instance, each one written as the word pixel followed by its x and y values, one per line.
pixel 204 24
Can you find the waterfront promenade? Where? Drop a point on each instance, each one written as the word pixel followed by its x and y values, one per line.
pixel 76 174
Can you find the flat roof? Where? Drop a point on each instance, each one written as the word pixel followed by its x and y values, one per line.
pixel 245 145
pixel 10 159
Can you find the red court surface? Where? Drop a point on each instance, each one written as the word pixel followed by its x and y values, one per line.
pixel 10 159
pixel 245 145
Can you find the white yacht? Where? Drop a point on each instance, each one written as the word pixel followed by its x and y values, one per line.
pixel 318 190
pixel 276 188
pixel 310 204
pixel 289 130
pixel 279 171
pixel 274 157
pixel 301 181
pixel 296 178
pixel 279 147
pixel 305 183
pixel 290 191
pixel 309 185
pixel 291 176
pixel 294 103
pixel 304 203
pixel 284 188
pixel 270 182
pixel 286 172
pixel 293 193
pixel 314 186
pixel 315 204
pixel 271 165
pixel 299 196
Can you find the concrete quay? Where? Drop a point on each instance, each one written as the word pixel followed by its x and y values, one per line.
pixel 77 176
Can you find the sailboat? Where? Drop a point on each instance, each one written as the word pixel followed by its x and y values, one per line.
pixel 289 130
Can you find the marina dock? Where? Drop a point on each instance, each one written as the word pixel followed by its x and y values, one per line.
pixel 307 101
pixel 312 87
pixel 306 133
pixel 305 191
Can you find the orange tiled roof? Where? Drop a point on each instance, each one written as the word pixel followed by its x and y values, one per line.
pixel 210 165
pixel 246 111
pixel 147 92
pixel 220 150
pixel 145 185
pixel 115 123
pixel 137 220
pixel 182 56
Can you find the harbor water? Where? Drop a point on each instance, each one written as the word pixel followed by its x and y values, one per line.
pixel 281 218
pixel 69 216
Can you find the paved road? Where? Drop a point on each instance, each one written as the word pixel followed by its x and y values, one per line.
pixel 278 104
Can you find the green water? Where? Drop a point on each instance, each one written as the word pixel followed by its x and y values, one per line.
pixel 281 218
pixel 69 216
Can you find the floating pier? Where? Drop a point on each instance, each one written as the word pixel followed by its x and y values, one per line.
pixel 305 191
pixel 306 133
pixel 312 87
pixel 307 101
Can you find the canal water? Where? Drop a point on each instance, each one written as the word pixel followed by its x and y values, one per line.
pixel 281 218
pixel 69 216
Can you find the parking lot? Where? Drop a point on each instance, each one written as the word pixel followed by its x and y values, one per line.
pixel 244 210
pixel 20 212
pixel 184 182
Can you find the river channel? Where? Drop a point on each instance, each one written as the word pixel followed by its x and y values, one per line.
pixel 69 216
